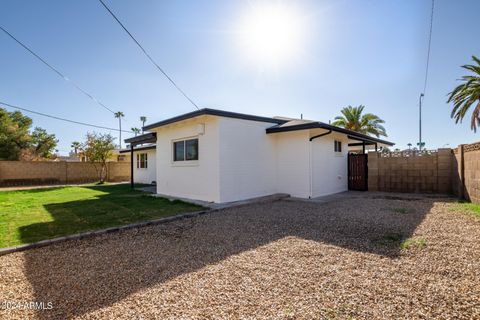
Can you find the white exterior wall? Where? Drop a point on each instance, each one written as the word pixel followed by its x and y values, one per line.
pixel 189 179
pixel 247 159
pixel 329 168
pixel 293 172
pixel 238 160
pixel 145 175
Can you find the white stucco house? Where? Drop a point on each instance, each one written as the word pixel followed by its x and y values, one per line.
pixel 220 156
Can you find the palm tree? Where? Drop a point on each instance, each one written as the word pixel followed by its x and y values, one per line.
pixel 75 145
pixel 409 146
pixel 467 94
pixel 367 123
pixel 136 131
pixel 143 119
pixel 120 115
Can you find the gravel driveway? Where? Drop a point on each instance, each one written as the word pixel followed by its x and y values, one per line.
pixel 286 259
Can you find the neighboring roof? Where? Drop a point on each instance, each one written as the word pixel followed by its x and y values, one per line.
pixel 146 147
pixel 141 139
pixel 212 112
pixel 305 124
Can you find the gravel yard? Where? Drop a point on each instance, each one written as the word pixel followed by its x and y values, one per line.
pixel 361 258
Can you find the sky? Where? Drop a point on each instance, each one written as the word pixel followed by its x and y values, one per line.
pixel 345 52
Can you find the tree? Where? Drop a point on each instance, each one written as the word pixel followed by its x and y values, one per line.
pixel 98 149
pixel 43 144
pixel 143 119
pixel 409 146
pixel 367 123
pixel 467 94
pixel 136 131
pixel 14 134
pixel 76 146
pixel 120 115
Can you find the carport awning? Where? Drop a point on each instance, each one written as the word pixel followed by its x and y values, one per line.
pixel 150 137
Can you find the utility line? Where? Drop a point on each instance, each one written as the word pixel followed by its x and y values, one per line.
pixel 62 119
pixel 57 71
pixel 148 55
pixel 429 45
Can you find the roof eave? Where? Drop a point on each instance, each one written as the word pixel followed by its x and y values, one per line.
pixel 321 125
pixel 212 112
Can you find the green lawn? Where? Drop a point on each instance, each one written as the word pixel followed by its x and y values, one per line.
pixel 471 208
pixel 31 215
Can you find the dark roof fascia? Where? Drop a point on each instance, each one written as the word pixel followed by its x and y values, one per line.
pixel 321 125
pixel 213 112
pixel 144 138
pixel 138 149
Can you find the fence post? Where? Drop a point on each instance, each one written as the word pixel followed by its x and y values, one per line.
pixel 373 171
pixel 461 168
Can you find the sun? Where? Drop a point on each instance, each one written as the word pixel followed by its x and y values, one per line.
pixel 272 34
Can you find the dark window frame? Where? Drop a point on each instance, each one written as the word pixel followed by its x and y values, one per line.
pixel 337 146
pixel 186 156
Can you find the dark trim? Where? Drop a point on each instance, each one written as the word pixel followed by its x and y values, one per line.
pixel 212 112
pixel 132 184
pixel 321 135
pixel 320 125
pixel 138 149
pixel 358 144
pixel 141 139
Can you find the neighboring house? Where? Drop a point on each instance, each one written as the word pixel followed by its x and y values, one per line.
pixel 116 156
pixel 221 156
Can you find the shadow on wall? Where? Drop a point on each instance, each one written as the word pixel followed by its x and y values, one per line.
pixel 101 271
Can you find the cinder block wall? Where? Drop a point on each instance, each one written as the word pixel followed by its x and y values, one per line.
pixel 471 171
pixel 15 173
pixel 410 172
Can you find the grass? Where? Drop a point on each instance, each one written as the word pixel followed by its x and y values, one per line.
pixel 31 215
pixel 468 207
pixel 413 243
pixel 401 210
pixel 399 239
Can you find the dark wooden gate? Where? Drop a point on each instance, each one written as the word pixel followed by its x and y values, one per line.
pixel 358 172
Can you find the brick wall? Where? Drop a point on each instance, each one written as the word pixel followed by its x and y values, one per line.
pixel 429 172
pixel 14 173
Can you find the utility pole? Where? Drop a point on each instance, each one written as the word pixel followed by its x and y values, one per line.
pixel 420 123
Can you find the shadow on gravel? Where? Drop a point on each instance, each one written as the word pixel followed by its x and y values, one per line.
pixel 82 276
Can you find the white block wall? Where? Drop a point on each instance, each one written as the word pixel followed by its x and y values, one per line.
pixel 247 159
pixel 293 176
pixel 329 168
pixel 145 175
pixel 189 179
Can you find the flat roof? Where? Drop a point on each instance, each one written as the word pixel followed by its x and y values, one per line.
pixel 213 112
pixel 278 125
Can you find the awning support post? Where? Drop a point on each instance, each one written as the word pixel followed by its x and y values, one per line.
pixel 131 166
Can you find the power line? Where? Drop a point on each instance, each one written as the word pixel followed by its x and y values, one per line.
pixel 429 45
pixel 148 56
pixel 62 119
pixel 56 71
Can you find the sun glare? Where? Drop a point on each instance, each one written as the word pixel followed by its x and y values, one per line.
pixel 271 35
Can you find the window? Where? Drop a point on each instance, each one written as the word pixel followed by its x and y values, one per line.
pixel 142 161
pixel 185 150
pixel 338 146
